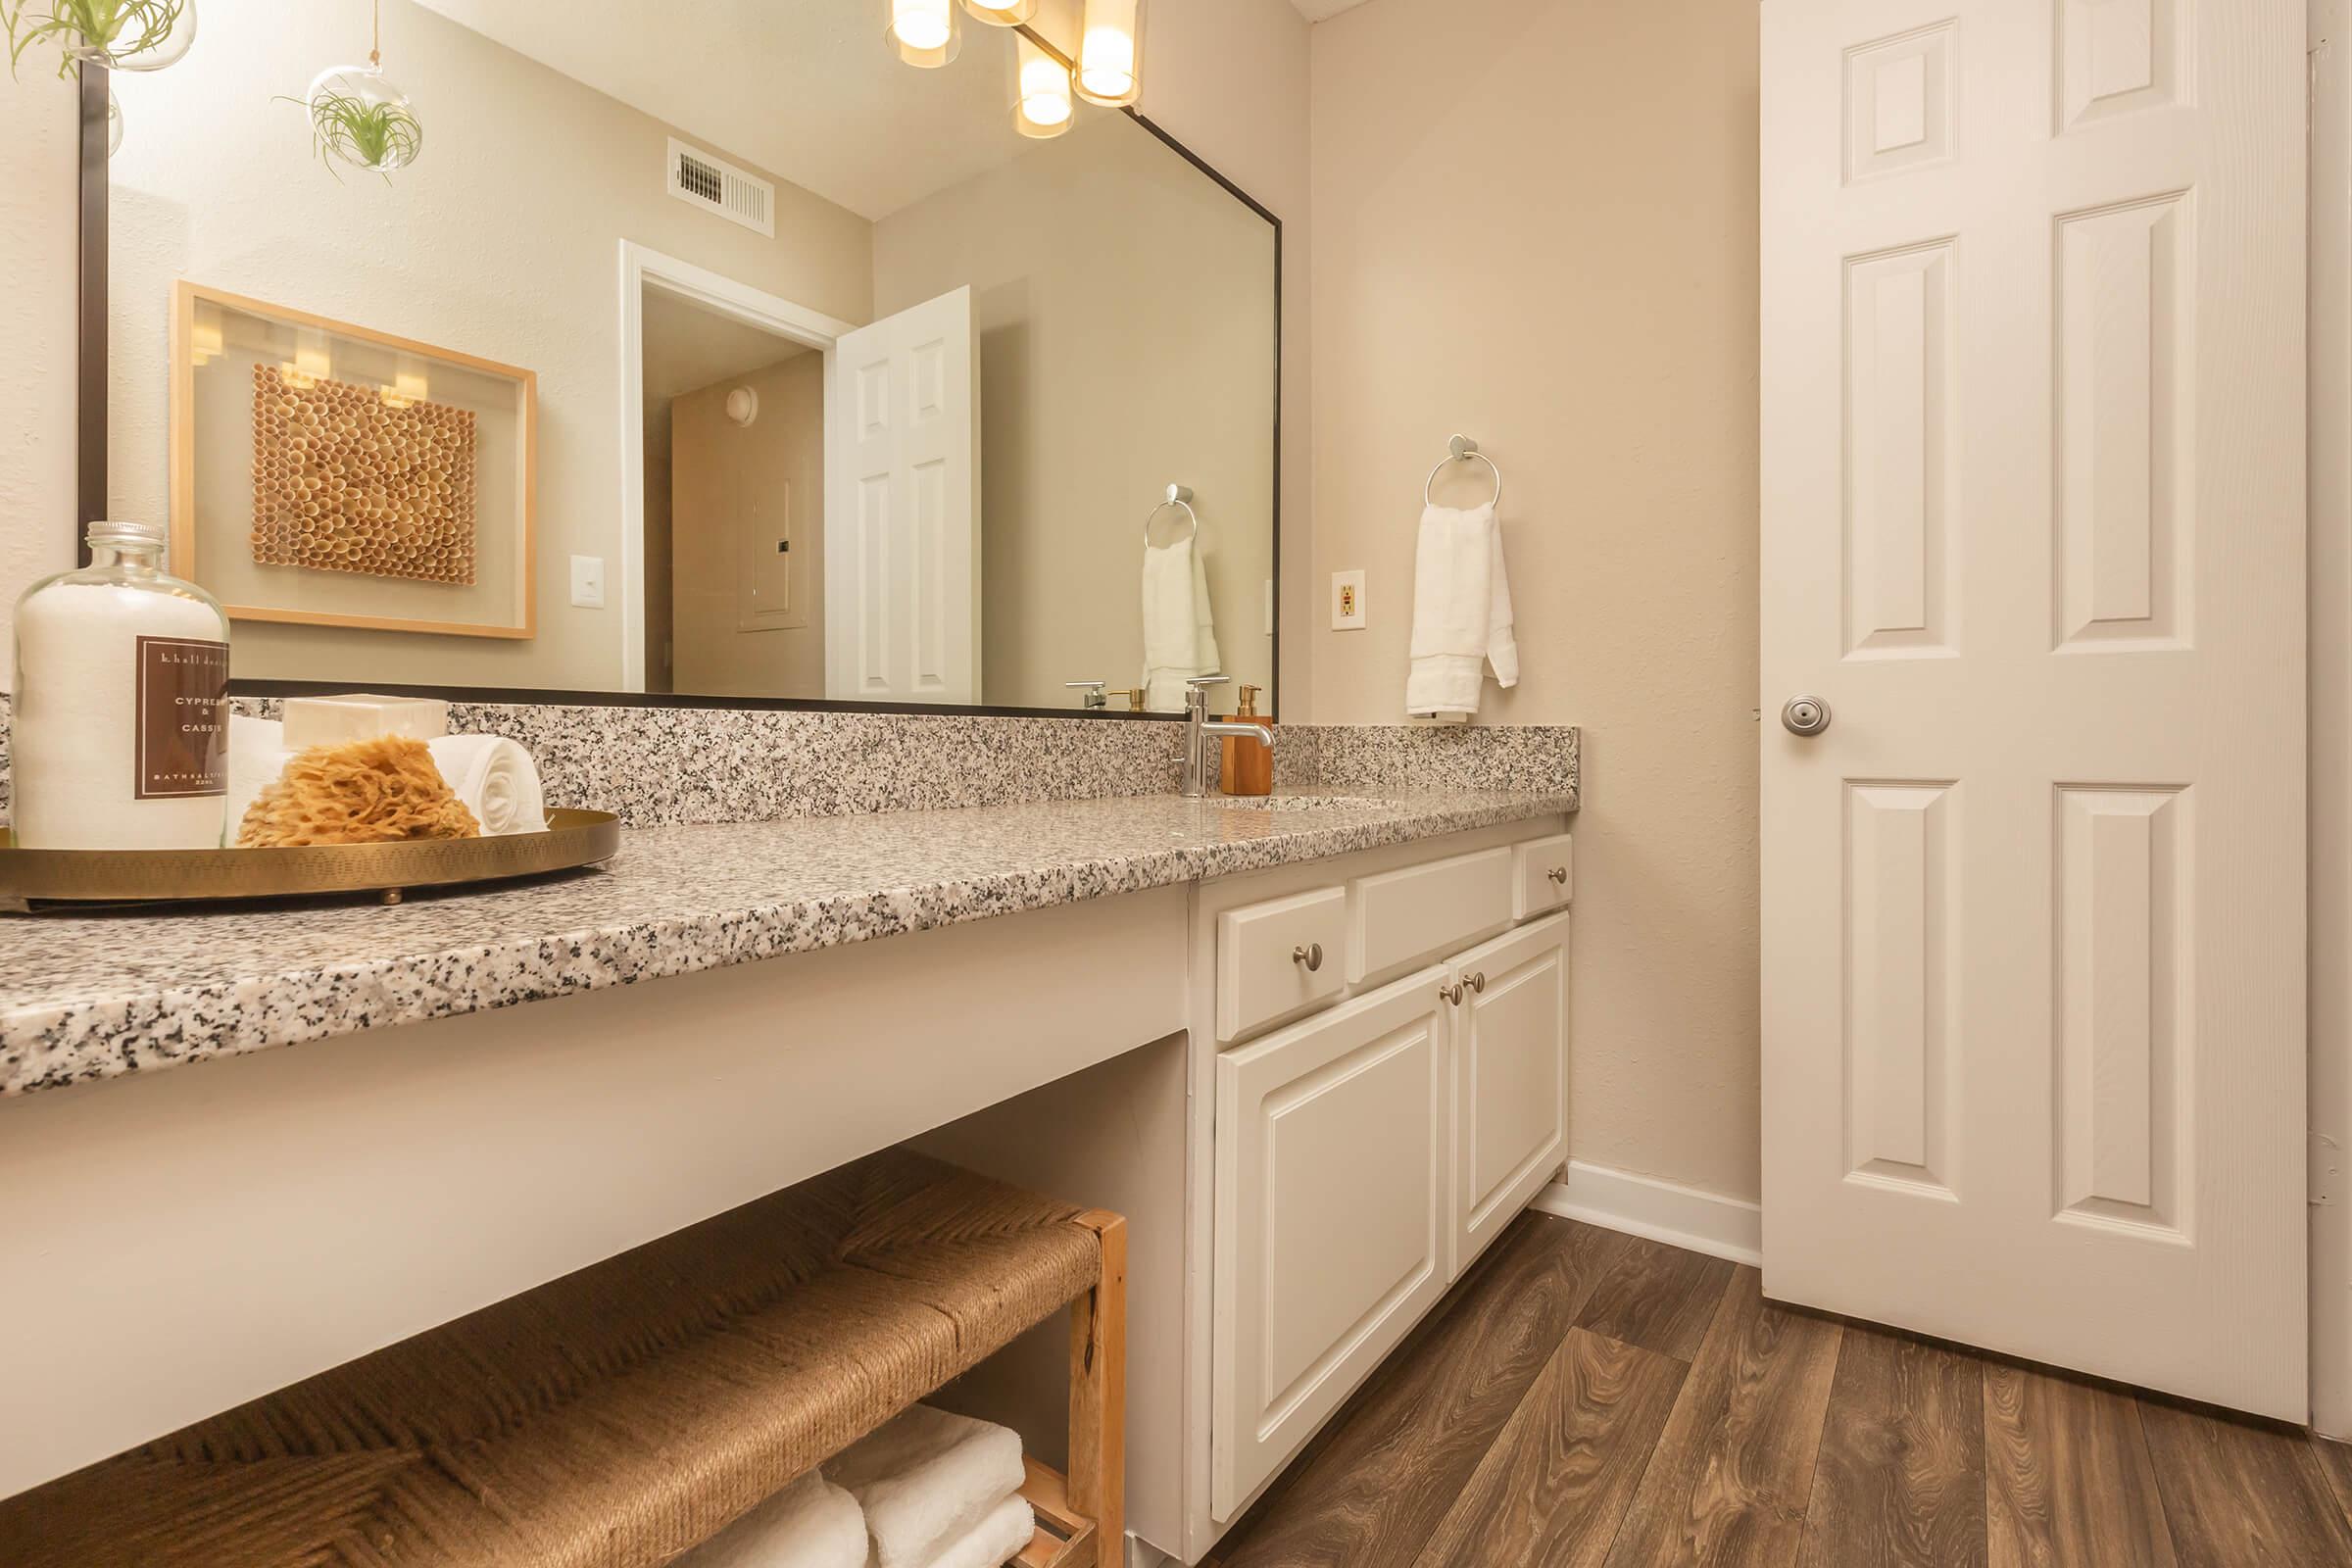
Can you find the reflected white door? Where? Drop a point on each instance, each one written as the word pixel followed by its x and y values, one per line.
pixel 2032 526
pixel 902 508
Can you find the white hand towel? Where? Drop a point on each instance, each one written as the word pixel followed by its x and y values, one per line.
pixel 1461 611
pixel 996 1540
pixel 1180 634
pixel 496 779
pixel 809 1524
pixel 256 755
pixel 926 1480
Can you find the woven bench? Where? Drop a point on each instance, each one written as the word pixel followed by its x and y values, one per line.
pixel 620 1415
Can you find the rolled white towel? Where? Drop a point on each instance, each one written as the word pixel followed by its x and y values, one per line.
pixel 996 1540
pixel 256 755
pixel 809 1524
pixel 496 779
pixel 927 1480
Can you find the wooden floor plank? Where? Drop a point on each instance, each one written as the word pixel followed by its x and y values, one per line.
pixel 1900 1480
pixel 1733 1472
pixel 1657 1296
pixel 1552 1488
pixel 2068 1482
pixel 1396 1456
pixel 2336 1462
pixel 2239 1493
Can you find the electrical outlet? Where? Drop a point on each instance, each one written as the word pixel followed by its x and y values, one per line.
pixel 1347 601
pixel 588 581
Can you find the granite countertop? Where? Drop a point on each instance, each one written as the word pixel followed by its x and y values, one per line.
pixel 97 995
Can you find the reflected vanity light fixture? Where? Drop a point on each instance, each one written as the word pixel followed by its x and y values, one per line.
pixel 928 33
pixel 1111 53
pixel 1043 109
pixel 1009 16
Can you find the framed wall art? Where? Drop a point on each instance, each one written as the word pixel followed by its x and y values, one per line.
pixel 329 475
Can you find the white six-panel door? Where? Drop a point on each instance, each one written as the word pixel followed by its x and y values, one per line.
pixel 2032 528
pixel 902 508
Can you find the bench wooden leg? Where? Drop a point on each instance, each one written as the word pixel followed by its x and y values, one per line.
pixel 1098 1395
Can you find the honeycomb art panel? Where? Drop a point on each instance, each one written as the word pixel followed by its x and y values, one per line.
pixel 350 478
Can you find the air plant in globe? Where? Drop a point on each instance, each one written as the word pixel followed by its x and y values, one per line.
pixel 122 34
pixel 359 118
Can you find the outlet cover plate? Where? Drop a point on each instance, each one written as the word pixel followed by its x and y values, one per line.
pixel 1347 601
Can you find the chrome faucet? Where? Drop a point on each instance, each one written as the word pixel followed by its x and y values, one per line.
pixel 1198 731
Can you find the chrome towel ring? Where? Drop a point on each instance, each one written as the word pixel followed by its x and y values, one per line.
pixel 1180 496
pixel 1462 449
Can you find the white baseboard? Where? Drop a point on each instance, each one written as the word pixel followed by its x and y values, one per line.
pixel 1662 1211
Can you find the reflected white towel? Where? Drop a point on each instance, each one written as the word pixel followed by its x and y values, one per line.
pixel 927 1480
pixel 996 1540
pixel 1180 634
pixel 496 779
pixel 1461 611
pixel 256 755
pixel 809 1524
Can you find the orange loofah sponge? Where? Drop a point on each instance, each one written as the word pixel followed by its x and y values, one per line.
pixel 365 792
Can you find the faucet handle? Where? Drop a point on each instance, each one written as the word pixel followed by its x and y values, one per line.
pixel 1206 680
pixel 1094 695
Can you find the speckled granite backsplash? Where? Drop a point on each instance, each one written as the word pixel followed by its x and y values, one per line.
pixel 664 766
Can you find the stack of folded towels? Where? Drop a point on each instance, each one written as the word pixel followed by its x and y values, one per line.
pixel 493 778
pixel 929 1490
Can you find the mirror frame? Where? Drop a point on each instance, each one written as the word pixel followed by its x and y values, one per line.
pixel 91 479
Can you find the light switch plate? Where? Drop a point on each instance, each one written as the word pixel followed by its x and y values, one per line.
pixel 1347 601
pixel 588 581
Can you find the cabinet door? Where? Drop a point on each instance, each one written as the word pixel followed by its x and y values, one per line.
pixel 1510 1079
pixel 1332 1217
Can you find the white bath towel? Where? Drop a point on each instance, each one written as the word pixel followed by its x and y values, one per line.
pixel 809 1524
pixel 1180 634
pixel 256 755
pixel 1461 611
pixel 496 779
pixel 926 1480
pixel 996 1540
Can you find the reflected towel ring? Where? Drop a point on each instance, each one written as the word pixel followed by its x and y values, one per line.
pixel 1180 496
pixel 1462 449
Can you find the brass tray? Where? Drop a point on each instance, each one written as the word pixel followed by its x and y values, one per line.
pixel 33 879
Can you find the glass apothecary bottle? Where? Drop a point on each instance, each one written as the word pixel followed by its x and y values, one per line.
pixel 118 737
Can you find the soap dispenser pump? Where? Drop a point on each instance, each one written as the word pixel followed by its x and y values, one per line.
pixel 1249 769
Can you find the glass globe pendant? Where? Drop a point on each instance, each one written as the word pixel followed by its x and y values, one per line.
pixel 130 35
pixel 357 117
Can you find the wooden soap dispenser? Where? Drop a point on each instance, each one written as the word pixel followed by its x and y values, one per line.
pixel 1249 767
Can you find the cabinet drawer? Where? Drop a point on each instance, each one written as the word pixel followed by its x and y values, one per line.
pixel 1426 911
pixel 1332 1168
pixel 1276 957
pixel 1546 878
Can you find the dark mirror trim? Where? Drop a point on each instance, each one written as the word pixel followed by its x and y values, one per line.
pixel 91 460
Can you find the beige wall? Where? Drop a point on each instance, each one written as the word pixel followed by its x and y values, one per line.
pixel 1125 308
pixel 37 416
pixel 1535 222
pixel 732 488
pixel 523 272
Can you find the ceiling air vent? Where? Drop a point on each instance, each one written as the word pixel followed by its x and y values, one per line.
pixel 719 186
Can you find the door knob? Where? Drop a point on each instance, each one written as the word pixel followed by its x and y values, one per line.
pixel 1805 715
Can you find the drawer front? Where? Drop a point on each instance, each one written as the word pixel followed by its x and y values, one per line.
pixel 1277 957
pixel 1333 1218
pixel 1427 911
pixel 1510 1079
pixel 1546 878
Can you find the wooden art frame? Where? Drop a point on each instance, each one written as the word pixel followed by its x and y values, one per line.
pixel 186 299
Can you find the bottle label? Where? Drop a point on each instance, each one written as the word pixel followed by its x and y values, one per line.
pixel 182 719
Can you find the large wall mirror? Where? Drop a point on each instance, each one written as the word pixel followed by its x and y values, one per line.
pixel 738 360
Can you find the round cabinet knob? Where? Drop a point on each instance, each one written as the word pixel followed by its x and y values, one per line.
pixel 1452 993
pixel 1309 953
pixel 1477 982
pixel 1557 876
pixel 1805 715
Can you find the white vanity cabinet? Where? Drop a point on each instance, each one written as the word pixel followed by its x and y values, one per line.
pixel 1376 1119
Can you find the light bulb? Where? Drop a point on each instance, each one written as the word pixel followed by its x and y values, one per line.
pixel 1111 53
pixel 1005 15
pixel 1045 108
pixel 926 32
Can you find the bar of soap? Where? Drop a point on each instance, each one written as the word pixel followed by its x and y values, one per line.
pixel 359 716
